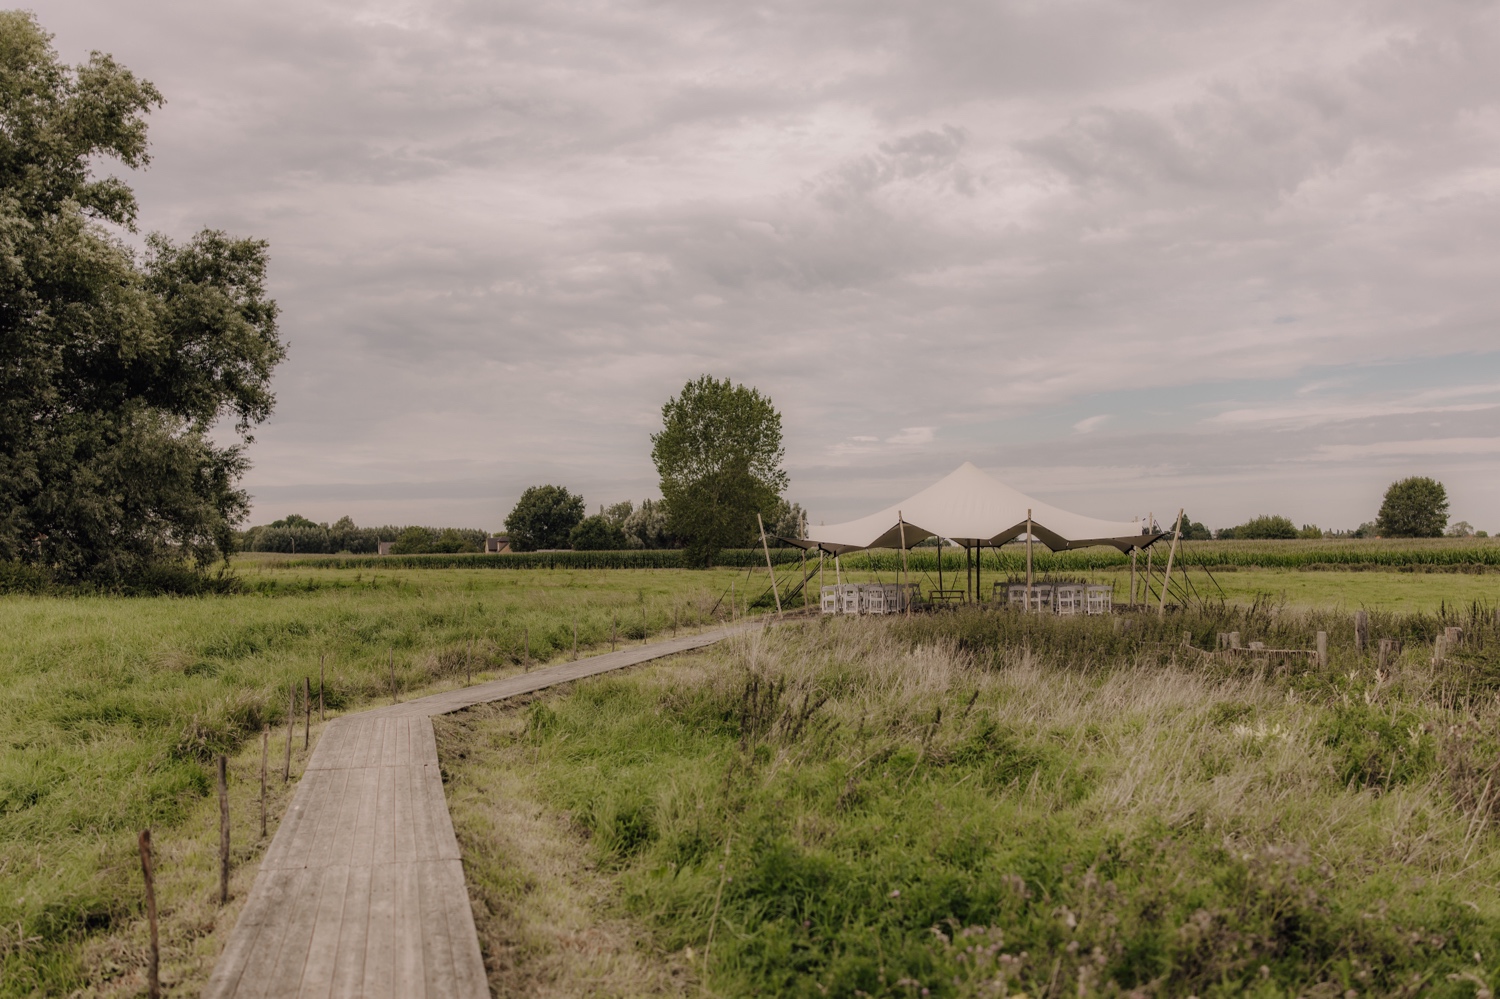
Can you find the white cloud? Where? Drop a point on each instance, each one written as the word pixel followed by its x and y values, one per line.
pixel 1092 423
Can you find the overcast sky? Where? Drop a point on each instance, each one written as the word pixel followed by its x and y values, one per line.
pixel 1126 256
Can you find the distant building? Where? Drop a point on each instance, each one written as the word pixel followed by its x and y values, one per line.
pixel 385 547
pixel 497 544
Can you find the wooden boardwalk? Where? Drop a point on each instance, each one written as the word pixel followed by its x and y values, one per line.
pixel 361 892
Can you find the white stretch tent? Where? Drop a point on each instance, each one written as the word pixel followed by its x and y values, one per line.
pixel 973 509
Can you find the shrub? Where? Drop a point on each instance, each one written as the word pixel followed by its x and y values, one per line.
pixel 595 534
pixel 1266 526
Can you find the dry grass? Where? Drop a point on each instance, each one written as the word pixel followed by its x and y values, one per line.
pixel 549 921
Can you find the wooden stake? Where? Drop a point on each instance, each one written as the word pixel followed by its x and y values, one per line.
pixel 307 709
pixel 731 601
pixel 1361 631
pixel 575 635
pixel 223 830
pixel 1322 648
pixel 265 746
pixel 153 957
pixel 1133 553
pixel 614 623
pixel 645 625
pixel 1161 609
pixel 393 676
pixel 291 720
pixel 469 664
pixel 674 620
pixel 766 547
pixel 526 640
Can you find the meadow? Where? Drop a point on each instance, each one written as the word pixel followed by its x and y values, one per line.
pixel 114 708
pixel 980 804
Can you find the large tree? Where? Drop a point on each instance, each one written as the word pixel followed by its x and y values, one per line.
pixel 1414 508
pixel 543 517
pixel 719 454
pixel 114 367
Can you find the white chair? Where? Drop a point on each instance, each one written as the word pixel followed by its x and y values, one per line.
pixel 873 596
pixel 895 598
pixel 828 601
pixel 1041 598
pixel 848 599
pixel 1015 594
pixel 1099 598
pixel 1069 599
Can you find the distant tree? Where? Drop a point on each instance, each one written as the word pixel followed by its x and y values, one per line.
pixel 646 527
pixel 787 520
pixel 1365 530
pixel 451 541
pixel 413 541
pixel 1225 534
pixel 1191 529
pixel 1413 508
pixel 543 518
pixel 617 513
pixel 1481 534
pixel 1460 529
pixel 295 520
pixel 1310 532
pixel 120 369
pixel 597 534
pixel 1266 526
pixel 719 454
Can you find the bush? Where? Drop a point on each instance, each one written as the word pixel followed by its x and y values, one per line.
pixel 543 517
pixel 1266 526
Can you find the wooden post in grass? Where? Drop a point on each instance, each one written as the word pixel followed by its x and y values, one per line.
pixel 1361 631
pixel 469 664
pixel 614 623
pixel 265 746
pixel 153 956
pixel 1322 648
pixel 731 601
pixel 307 712
pixel 766 547
pixel 1387 651
pixel 223 829
pixel 645 626
pixel 674 619
pixel 1234 639
pixel 291 720
pixel 1161 609
pixel 320 686
pixel 393 675
pixel 526 643
pixel 575 634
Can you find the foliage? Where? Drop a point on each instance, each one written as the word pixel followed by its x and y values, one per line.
pixel 1310 532
pixel 787 520
pixel 977 804
pixel 647 526
pixel 432 541
pixel 543 517
pixel 1266 526
pixel 719 454
pixel 298 535
pixel 113 370
pixel 1460 529
pixel 597 533
pixel 1415 507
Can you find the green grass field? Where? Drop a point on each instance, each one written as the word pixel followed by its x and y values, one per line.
pixel 980 805
pixel 114 707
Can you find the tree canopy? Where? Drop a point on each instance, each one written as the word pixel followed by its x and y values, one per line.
pixel 114 367
pixel 597 534
pixel 1416 507
pixel 719 455
pixel 543 517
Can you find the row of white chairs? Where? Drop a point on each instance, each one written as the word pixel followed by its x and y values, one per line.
pixel 1062 598
pixel 869 598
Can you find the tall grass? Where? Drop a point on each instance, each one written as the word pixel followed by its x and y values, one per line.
pixel 984 804
pixel 113 708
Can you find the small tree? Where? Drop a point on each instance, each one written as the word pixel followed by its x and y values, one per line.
pixel 597 534
pixel 543 517
pixel 1267 526
pixel 1414 508
pixel 647 526
pixel 413 541
pixel 1461 529
pixel 719 454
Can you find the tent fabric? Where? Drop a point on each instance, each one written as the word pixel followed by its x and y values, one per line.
pixel 972 508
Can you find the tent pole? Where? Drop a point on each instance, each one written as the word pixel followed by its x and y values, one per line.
pixel 766 547
pixel 1133 553
pixel 978 566
pixel 905 569
pixel 940 563
pixel 1028 561
pixel 1161 609
pixel 838 572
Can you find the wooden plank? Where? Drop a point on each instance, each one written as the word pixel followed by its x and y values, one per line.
pixel 354 927
pixel 408 975
pixel 257 923
pixel 439 974
pixel 469 978
pixel 323 944
pixel 380 937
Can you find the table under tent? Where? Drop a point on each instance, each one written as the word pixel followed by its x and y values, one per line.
pixel 974 511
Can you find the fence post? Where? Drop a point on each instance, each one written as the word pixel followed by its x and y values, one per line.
pixel 393 676
pixel 265 746
pixel 153 957
pixel 291 720
pixel 1322 648
pixel 1361 631
pixel 223 829
pixel 614 622
pixel 307 712
pixel 1234 639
